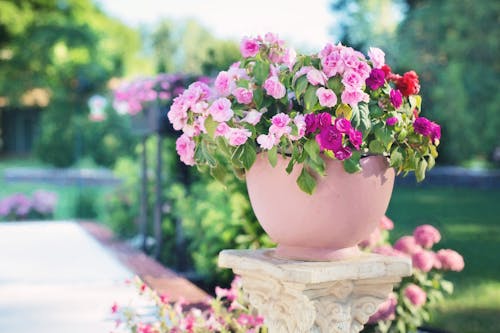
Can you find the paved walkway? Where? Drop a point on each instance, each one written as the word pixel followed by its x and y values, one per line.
pixel 56 278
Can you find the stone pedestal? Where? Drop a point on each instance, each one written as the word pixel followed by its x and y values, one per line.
pixel 320 297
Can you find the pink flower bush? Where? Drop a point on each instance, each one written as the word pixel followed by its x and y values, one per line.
pixel 423 290
pixel 228 312
pixel 339 103
pixel 415 294
pixel 18 206
pixel 426 235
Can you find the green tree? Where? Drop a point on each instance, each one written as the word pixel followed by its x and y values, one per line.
pixel 65 51
pixel 454 46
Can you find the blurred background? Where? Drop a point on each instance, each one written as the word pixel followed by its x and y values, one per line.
pixel 70 145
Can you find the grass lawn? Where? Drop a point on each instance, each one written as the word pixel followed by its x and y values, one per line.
pixel 469 221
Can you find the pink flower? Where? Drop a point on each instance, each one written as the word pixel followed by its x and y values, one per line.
pixel 316 77
pixel 391 121
pixel 352 80
pixel 221 110
pixel 114 308
pixel 144 328
pixel 243 96
pixel 300 122
pixel 387 250
pixel 185 148
pixel 267 141
pixel 385 223
pixel 274 87
pixel 252 117
pixel 386 310
pixel 326 97
pixel 396 98
pixel 289 58
pixel 415 294
pixel 178 113
pixel 426 235
pixel 224 84
pixel 353 97
pixel 423 260
pixel 249 47
pixel 280 124
pixel 221 130
pixel 377 57
pixel 451 260
pixel 238 136
pixel 408 245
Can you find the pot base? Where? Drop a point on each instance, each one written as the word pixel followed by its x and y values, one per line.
pixel 314 253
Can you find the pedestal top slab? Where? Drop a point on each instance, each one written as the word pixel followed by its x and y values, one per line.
pixel 364 266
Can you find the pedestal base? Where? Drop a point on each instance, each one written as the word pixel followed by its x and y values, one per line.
pixel 320 297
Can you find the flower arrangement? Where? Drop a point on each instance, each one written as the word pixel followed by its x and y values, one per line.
pixel 336 104
pixel 408 307
pixel 19 206
pixel 228 312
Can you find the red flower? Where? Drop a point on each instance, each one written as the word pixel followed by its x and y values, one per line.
pixel 408 84
pixel 387 70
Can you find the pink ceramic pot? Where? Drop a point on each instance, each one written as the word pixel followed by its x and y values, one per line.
pixel 328 225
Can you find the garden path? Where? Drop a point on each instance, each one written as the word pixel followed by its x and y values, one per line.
pixel 55 277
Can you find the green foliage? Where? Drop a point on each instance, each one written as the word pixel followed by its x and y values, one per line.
pixel 456 55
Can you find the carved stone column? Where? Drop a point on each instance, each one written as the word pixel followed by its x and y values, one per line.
pixel 320 297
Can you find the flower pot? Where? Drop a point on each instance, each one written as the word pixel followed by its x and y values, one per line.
pixel 327 225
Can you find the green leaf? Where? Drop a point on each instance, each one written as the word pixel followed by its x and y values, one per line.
pixel 212 162
pixel 312 149
pixel 300 86
pixel 420 172
pixel 290 166
pixel 272 155
pixel 431 161
pixel 447 286
pixel 261 72
pixel 258 97
pixel 361 118
pixel 211 126
pixel 352 164
pixel 218 173
pixel 396 159
pixel 310 98
pixel 335 83
pixel 249 155
pixel 343 110
pixel 306 181
pixel 384 135
pixel 415 101
pixel 376 147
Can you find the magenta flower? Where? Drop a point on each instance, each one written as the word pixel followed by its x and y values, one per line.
pixel 356 137
pixel 376 79
pixel 343 153
pixel 435 133
pixel 324 120
pixel 391 121
pixel 415 294
pixel 423 126
pixel 312 123
pixel 329 138
pixel 423 260
pixel 343 125
pixel 451 260
pixel 396 98
pixel 426 235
